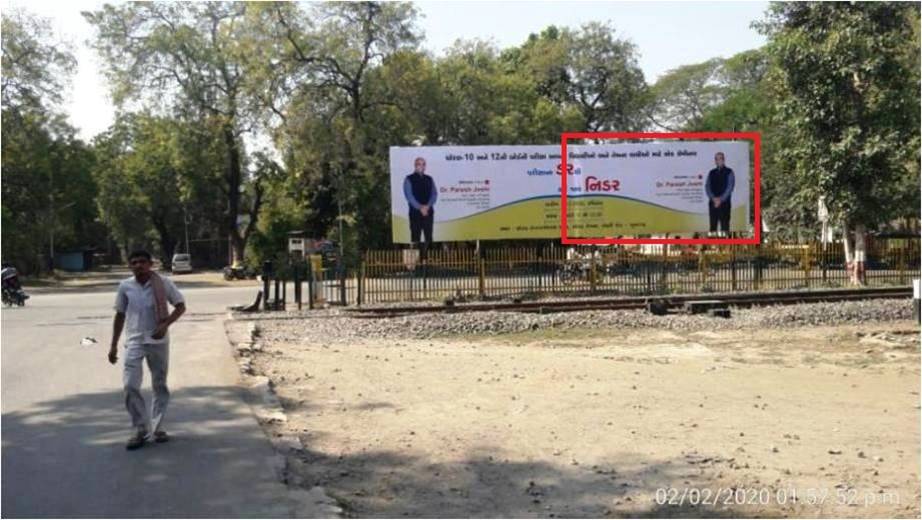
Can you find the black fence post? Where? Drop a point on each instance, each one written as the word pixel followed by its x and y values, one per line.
pixel 664 271
pixel 425 278
pixel 824 261
pixel 411 279
pixel 360 284
pixel 267 273
pixel 310 285
pixel 341 268
pixel 296 274
pixel 481 274
pixel 648 268
pixel 539 257
pixel 733 282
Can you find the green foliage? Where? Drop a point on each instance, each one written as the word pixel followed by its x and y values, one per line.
pixel 605 82
pixel 151 176
pixel 364 87
pixel 186 60
pixel 281 213
pixel 36 69
pixel 331 86
pixel 47 190
pixel 847 98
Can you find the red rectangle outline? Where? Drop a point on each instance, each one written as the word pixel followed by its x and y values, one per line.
pixel 755 137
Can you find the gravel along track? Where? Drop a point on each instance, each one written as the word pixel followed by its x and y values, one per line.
pixel 334 325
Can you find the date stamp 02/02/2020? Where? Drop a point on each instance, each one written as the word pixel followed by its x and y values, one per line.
pixel 741 496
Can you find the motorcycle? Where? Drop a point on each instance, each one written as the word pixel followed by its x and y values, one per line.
pixel 239 272
pixel 12 293
pixel 577 267
pixel 570 273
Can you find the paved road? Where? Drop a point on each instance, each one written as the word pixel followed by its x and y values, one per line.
pixel 64 424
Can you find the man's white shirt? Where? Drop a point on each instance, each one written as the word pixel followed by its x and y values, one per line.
pixel 137 302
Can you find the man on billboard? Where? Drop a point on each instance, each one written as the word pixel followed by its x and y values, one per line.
pixel 421 194
pixel 719 187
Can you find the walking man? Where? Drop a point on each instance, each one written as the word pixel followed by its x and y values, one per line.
pixel 719 186
pixel 142 303
pixel 421 194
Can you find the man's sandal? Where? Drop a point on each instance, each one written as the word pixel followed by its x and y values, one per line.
pixel 136 441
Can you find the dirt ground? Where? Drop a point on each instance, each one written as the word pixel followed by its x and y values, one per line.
pixel 807 422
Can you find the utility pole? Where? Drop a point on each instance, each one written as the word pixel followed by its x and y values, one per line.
pixel 185 220
pixel 340 203
pixel 338 172
pixel 51 218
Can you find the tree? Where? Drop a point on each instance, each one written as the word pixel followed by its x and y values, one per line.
pixel 138 176
pixel 590 71
pixel 185 58
pixel 735 98
pixel 281 213
pixel 119 199
pixel 683 96
pixel 605 83
pixel 325 96
pixel 47 188
pixel 848 98
pixel 36 68
pixel 740 96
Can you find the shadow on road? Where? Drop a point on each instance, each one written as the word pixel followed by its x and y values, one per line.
pixel 66 458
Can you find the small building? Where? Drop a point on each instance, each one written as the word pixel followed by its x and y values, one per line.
pixel 75 261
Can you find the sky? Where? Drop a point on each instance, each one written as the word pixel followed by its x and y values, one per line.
pixel 667 35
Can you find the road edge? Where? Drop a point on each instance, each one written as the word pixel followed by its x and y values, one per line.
pixel 260 396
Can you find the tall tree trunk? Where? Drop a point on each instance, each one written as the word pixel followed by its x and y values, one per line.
pixel 859 275
pixel 238 247
pixel 167 244
pixel 233 177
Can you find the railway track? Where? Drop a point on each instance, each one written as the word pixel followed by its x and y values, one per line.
pixel 640 302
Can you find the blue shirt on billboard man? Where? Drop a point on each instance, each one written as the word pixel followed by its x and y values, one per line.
pixel 719 187
pixel 421 194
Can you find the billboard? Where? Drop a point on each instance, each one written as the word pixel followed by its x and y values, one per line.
pixel 614 190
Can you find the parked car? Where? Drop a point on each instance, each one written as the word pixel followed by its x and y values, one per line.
pixel 182 263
